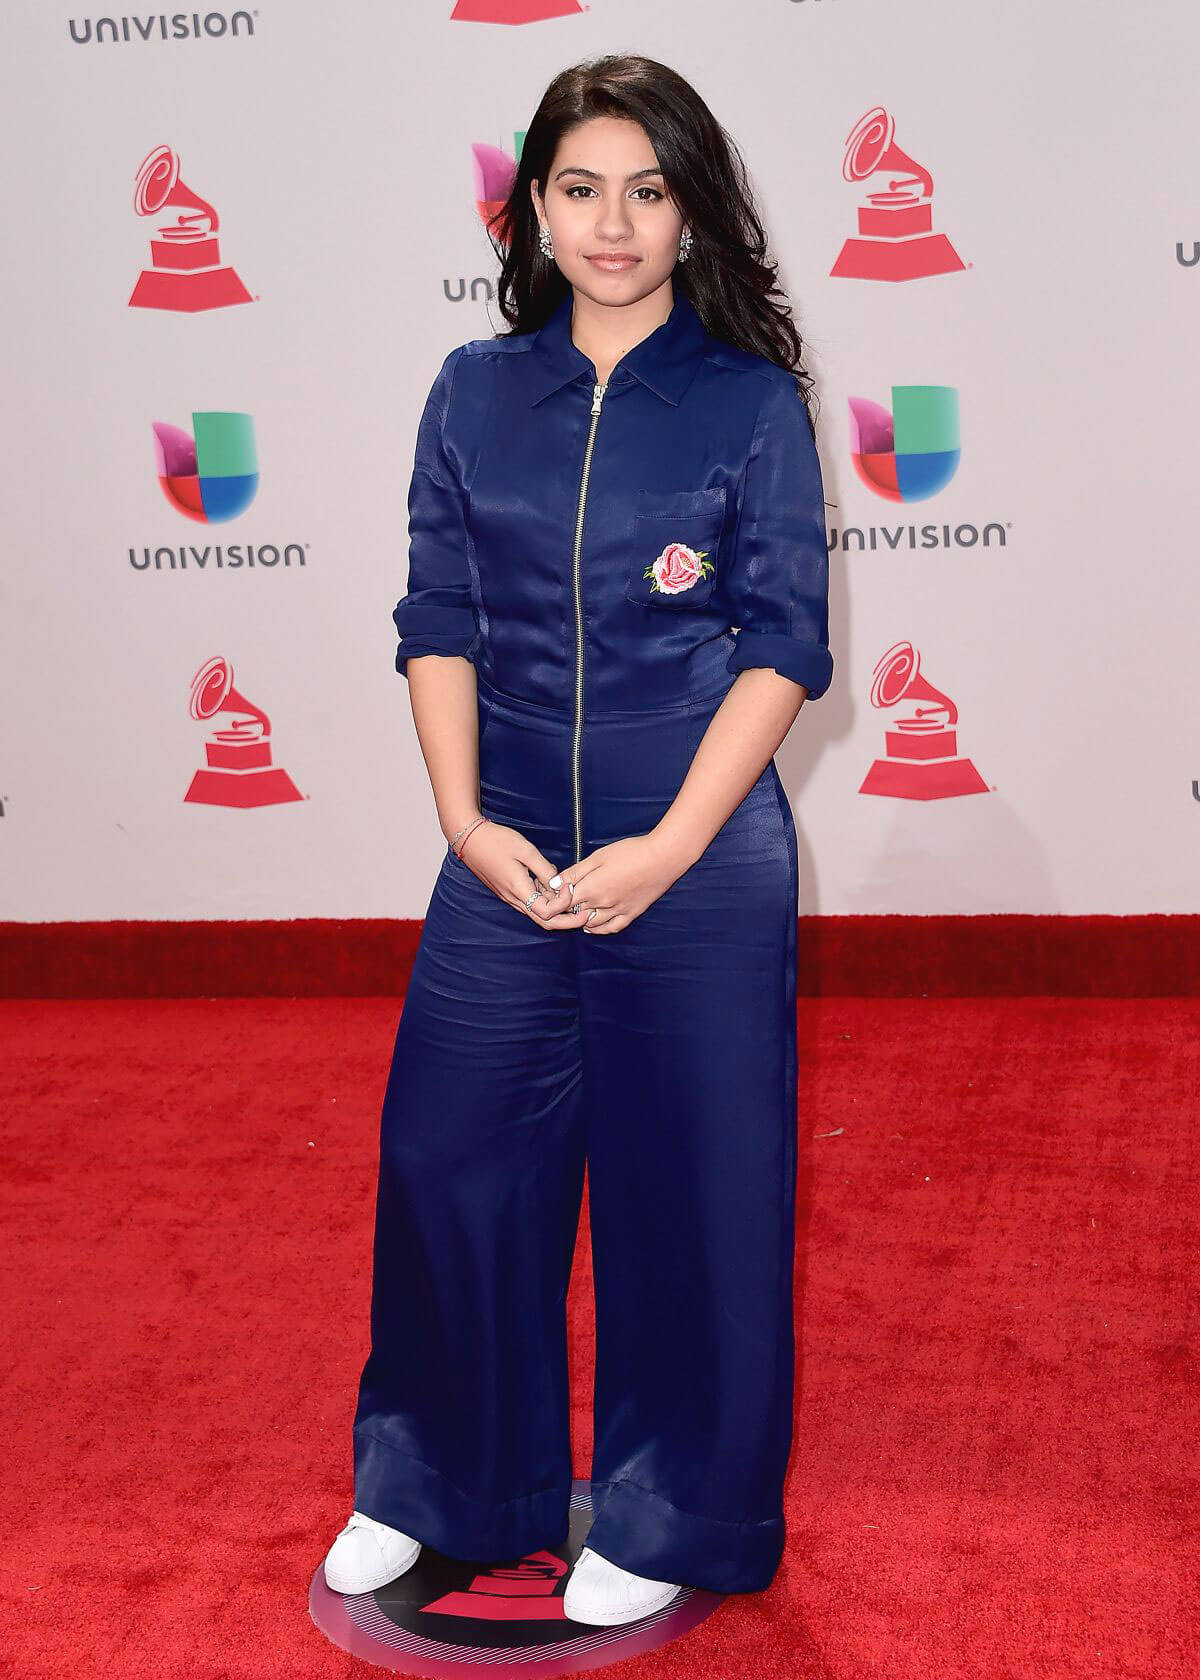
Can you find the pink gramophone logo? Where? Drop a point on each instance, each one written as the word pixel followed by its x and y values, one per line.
pixel 524 1591
pixel 922 759
pixel 895 239
pixel 512 11
pixel 187 273
pixel 239 772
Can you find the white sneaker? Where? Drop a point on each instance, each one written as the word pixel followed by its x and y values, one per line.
pixel 602 1592
pixel 368 1554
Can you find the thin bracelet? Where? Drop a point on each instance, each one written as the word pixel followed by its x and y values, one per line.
pixel 454 838
pixel 469 833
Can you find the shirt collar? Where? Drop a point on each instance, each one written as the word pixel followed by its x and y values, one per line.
pixel 665 361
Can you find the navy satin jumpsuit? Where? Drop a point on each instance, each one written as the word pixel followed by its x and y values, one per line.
pixel 591 548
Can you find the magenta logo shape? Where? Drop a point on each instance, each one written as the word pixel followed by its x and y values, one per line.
pixel 238 770
pixel 186 273
pixel 513 11
pixel 895 239
pixel 921 756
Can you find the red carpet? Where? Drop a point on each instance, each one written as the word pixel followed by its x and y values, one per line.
pixel 995 1474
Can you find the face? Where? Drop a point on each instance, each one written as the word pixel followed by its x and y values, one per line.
pixel 615 231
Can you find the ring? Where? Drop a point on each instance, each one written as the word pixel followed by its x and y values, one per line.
pixel 529 902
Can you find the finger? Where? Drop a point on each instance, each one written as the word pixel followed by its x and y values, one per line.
pixel 566 918
pixel 541 869
pixel 611 924
pixel 537 862
pixel 526 894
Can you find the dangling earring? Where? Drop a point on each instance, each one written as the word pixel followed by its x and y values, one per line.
pixel 685 245
pixel 545 243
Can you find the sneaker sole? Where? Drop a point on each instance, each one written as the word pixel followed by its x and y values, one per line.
pixel 613 1618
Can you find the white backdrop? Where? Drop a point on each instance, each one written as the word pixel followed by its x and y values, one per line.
pixel 335 143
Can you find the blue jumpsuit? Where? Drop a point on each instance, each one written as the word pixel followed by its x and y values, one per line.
pixel 590 548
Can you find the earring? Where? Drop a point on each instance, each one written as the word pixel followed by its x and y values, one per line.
pixel 685 245
pixel 545 243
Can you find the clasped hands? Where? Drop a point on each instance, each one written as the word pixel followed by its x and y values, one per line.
pixel 617 881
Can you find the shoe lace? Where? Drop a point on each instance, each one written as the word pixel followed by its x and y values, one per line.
pixel 359 1519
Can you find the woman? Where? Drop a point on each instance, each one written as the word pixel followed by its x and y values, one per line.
pixel 599 497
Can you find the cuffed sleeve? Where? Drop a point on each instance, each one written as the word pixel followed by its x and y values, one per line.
pixel 437 615
pixel 778 580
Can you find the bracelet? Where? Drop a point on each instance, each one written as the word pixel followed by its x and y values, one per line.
pixel 471 827
pixel 462 830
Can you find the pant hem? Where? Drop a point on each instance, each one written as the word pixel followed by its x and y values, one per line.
pixel 404 1492
pixel 642 1531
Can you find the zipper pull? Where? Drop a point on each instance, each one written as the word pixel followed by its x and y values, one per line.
pixel 598 398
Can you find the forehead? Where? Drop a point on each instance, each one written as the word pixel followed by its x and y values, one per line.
pixel 605 146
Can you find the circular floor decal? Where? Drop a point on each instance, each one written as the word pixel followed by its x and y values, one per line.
pixel 446 1617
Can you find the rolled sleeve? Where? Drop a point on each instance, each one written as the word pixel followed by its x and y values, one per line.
pixel 437 615
pixel 778 582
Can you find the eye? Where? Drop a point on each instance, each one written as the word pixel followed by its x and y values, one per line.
pixel 583 187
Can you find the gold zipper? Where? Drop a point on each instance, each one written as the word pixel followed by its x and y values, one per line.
pixel 597 398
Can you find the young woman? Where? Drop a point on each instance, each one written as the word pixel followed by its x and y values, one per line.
pixel 617 604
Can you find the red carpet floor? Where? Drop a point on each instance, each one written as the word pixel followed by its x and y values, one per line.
pixel 995 1474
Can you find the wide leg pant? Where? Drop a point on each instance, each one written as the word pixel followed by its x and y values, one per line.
pixel 666 1055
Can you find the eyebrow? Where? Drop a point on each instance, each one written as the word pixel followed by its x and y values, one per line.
pixel 594 175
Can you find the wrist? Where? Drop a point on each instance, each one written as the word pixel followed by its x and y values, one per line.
pixel 463 820
pixel 678 847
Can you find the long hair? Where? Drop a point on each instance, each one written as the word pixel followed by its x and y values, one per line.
pixel 728 277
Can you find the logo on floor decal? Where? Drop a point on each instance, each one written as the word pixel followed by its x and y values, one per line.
pixel 447 1616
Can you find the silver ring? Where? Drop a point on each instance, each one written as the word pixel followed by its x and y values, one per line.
pixel 533 897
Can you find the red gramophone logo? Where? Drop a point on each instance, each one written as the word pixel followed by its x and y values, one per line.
pixel 895 239
pixel 239 773
pixel 187 273
pixel 512 11
pixel 524 1591
pixel 922 759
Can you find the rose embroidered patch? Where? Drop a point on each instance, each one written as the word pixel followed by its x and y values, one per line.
pixel 677 568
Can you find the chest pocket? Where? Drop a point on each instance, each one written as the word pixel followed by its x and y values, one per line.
pixel 676 547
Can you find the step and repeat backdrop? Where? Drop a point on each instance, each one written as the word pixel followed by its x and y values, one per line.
pixel 241 243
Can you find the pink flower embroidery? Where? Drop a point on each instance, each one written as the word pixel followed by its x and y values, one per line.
pixel 678 568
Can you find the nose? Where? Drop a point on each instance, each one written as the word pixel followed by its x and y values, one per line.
pixel 613 221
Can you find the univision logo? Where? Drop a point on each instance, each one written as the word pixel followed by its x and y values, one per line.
pixel 913 451
pixel 210 475
pixel 179 26
pixel 908 454
pixel 494 171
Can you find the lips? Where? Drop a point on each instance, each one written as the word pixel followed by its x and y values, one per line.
pixel 615 263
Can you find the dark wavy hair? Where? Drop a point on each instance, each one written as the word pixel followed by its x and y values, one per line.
pixel 728 277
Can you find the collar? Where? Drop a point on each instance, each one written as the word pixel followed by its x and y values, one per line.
pixel 665 361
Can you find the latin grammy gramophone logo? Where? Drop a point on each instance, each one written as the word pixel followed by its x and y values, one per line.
pixel 211 473
pixel 895 239
pixel 922 760
pixel 238 771
pixel 513 11
pixel 187 274
pixel 912 452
